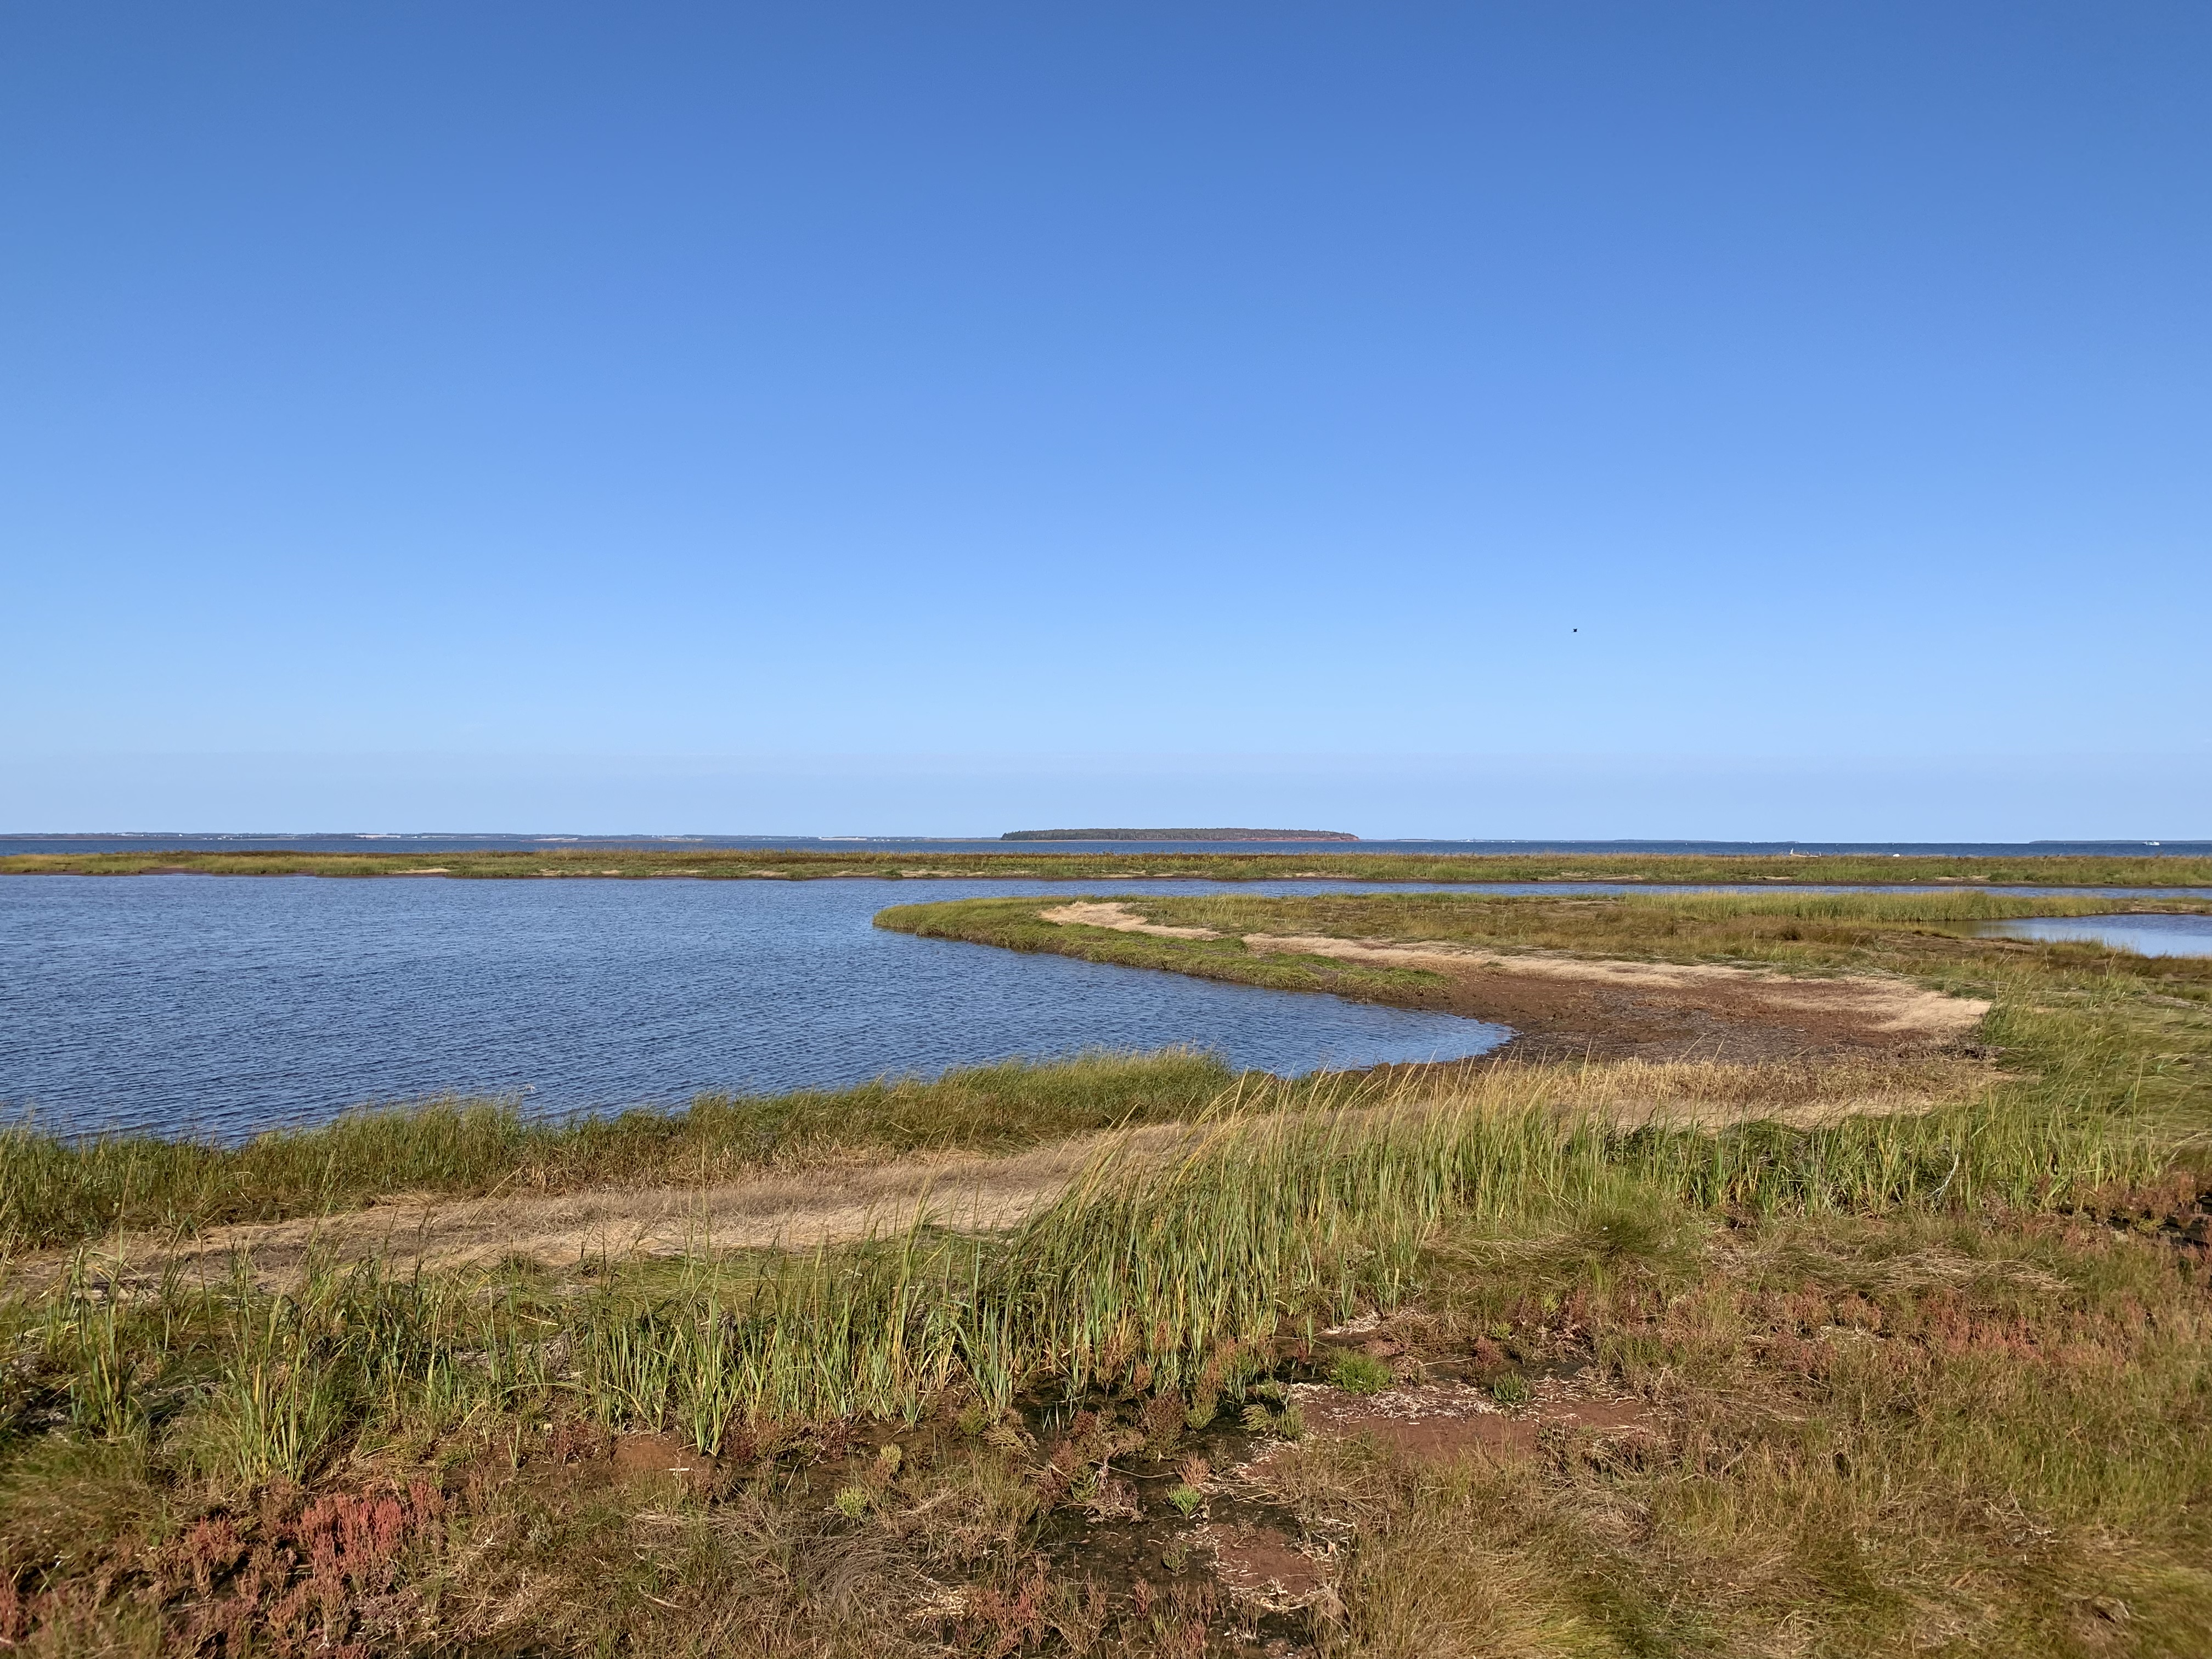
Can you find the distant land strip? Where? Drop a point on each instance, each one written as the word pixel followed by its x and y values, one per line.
pixel 1177 834
pixel 1036 862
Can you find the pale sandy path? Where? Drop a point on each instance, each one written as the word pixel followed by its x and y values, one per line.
pixel 841 1203
pixel 796 1210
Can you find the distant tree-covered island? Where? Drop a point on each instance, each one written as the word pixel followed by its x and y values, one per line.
pixel 1177 834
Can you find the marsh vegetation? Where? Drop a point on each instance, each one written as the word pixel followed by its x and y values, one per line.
pixel 1860 1349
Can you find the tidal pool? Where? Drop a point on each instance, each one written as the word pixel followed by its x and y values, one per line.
pixel 2148 936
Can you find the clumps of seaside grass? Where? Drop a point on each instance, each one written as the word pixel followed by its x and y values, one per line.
pixel 1150 1273
pixel 56 1190
pixel 1879 1414
pixel 1360 1373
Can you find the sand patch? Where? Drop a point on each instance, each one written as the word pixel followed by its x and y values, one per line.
pixel 1119 918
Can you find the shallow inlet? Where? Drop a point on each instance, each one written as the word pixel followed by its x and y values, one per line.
pixel 221 1006
pixel 2147 936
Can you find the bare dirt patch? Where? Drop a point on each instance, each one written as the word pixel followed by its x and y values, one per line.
pixel 1259 1565
pixel 660 1457
pixel 1442 1420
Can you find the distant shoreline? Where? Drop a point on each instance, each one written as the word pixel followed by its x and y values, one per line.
pixel 1178 834
pixel 1046 862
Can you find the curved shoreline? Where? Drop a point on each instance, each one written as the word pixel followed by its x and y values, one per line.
pixel 1560 1004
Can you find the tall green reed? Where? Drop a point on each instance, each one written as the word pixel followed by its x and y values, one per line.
pixel 1171 1260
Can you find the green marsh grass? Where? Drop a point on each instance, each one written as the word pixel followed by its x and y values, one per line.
pixel 258 1392
pixel 1286 1201
pixel 2095 1028
pixel 1277 1214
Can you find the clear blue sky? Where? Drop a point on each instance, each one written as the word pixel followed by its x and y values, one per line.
pixel 1447 420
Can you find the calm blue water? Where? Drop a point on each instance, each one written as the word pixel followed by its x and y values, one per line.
pixel 224 1005
pixel 2148 936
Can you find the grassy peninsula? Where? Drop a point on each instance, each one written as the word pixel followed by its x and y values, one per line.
pixel 1895 1341
pixel 709 864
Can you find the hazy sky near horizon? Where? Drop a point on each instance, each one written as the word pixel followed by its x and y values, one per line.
pixel 1126 405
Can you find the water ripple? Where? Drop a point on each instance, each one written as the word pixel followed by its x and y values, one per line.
pixel 224 1005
